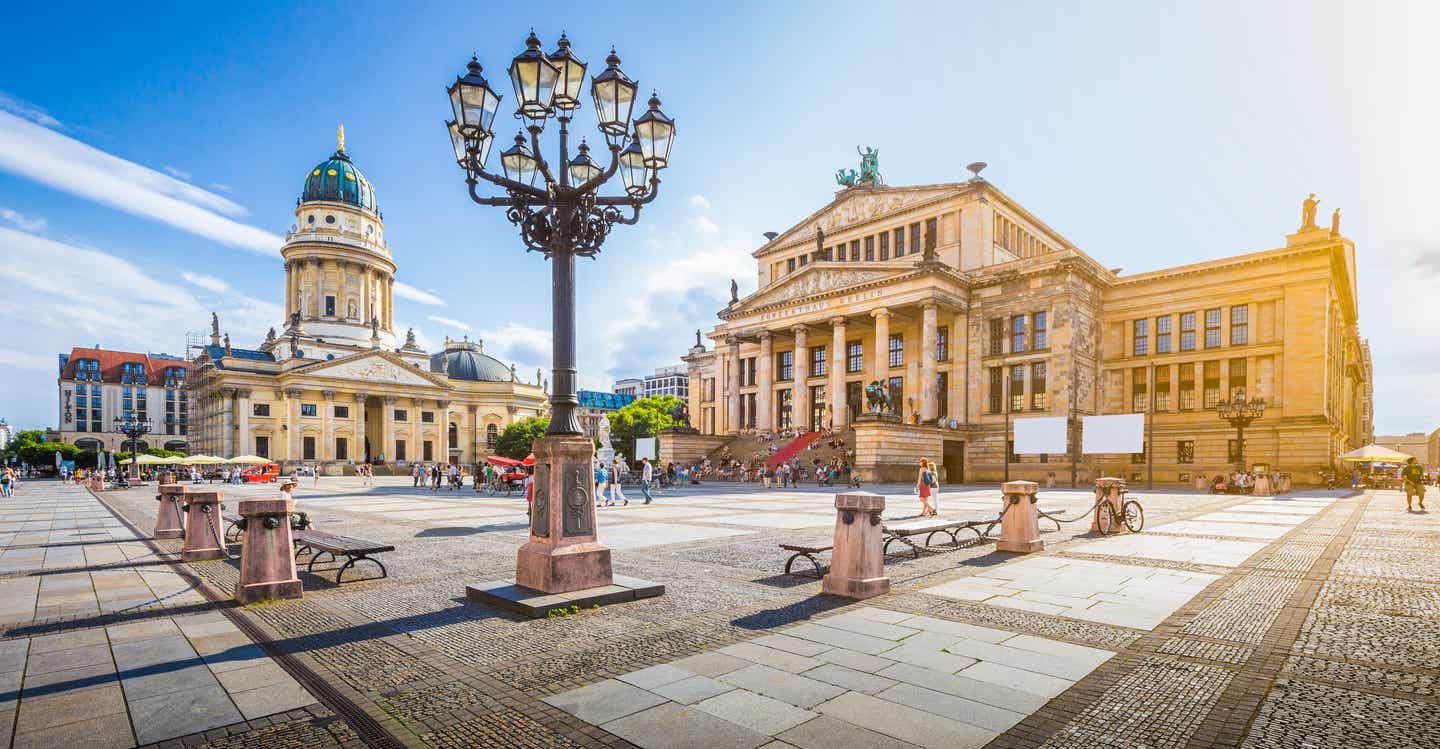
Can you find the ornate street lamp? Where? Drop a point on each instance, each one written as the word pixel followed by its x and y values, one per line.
pixel 134 429
pixel 1240 413
pixel 562 218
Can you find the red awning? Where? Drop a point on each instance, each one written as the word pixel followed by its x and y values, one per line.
pixel 500 460
pixel 529 460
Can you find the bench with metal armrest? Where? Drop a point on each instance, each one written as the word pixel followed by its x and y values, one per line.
pixel 320 543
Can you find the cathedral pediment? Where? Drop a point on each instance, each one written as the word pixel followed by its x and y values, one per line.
pixel 816 279
pixel 857 205
pixel 374 367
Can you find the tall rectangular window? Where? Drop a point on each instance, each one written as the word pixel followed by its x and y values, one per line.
pixel 1040 331
pixel 1162 335
pixel 1017 387
pixel 399 449
pixel 1139 390
pixel 1187 331
pixel 1038 387
pixel 897 393
pixel 342 448
pixel 1238 376
pixel 854 356
pixel 1185 451
pixel 262 446
pixel 1017 334
pixel 330 306
pixel 942 390
pixel 1187 387
pixel 900 242
pixel 1162 388
pixel 997 389
pixel 1212 328
pixel 854 250
pixel 307 448
pixel 884 245
pixel 749 371
pixel 932 232
pixel 1240 325
pixel 790 265
pixel 308 409
pixel 786 365
pixel 897 349
pixel 915 245
pixel 942 343
pixel 817 361
pixel 1212 383
pixel 870 248
pixel 997 336
pixel 1141 338
pixel 428 450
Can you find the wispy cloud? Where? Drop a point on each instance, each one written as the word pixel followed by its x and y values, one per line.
pixel 221 186
pixel 176 173
pixel 700 202
pixel 449 322
pixel 26 360
pixel 66 164
pixel 32 224
pixel 209 283
pixel 22 108
pixel 406 291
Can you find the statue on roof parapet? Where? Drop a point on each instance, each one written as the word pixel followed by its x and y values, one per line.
pixel 869 173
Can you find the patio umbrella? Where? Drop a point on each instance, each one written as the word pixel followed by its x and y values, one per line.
pixel 1373 454
pixel 200 460
pixel 247 460
pixel 529 460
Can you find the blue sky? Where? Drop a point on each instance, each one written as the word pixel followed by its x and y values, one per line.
pixel 149 160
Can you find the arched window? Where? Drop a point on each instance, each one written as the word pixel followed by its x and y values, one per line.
pixel 454 436
pixel 492 433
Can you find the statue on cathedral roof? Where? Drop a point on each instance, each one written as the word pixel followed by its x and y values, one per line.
pixel 869 173
pixel 1307 213
pixel 214 325
pixel 410 338
pixel 270 335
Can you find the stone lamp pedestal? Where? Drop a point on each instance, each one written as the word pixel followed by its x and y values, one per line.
pixel 563 565
pixel 857 563
pixel 1020 520
pixel 1108 488
pixel 169 521
pixel 267 553
pixel 204 535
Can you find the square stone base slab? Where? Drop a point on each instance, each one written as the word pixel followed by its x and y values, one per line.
pixel 176 533
pixel 505 594
pixel 1019 547
pixel 202 555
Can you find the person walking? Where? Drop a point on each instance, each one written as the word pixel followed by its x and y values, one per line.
pixel 1413 476
pixel 7 479
pixel 934 488
pixel 601 477
pixel 923 487
pixel 615 488
pixel 647 473
pixel 415 476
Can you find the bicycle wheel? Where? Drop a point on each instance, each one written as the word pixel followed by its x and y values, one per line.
pixel 1134 516
pixel 1104 518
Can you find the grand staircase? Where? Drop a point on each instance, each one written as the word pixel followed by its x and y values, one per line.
pixel 792 448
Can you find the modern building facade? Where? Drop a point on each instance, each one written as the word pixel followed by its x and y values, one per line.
pixel 596 403
pixel 629 386
pixel 336 386
pixel 7 434
pixel 971 312
pixel 96 386
pixel 1425 447
pixel 673 380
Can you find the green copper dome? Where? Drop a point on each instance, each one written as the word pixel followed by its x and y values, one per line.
pixel 337 180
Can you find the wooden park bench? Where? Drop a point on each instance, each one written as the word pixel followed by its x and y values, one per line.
pixel 809 552
pixel 320 543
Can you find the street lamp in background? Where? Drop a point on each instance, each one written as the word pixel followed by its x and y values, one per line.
pixel 562 218
pixel 1240 412
pixel 133 429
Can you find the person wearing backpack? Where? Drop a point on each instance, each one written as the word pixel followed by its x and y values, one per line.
pixel 924 485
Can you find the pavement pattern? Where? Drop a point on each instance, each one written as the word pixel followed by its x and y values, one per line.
pixel 1306 620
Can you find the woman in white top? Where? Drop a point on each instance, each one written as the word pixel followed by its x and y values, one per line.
pixel 287 488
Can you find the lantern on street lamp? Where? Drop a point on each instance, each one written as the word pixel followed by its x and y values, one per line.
pixel 1240 412
pixel 533 78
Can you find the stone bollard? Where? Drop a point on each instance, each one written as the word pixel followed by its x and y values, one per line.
pixel 857 563
pixel 1107 487
pixel 267 558
pixel 203 532
pixel 1020 520
pixel 169 521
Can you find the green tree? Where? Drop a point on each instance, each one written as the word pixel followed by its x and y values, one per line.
pixel 518 439
pixel 644 417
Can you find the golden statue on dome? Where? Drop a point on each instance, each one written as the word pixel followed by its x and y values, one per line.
pixel 340 136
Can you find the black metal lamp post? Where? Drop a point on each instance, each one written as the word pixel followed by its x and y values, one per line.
pixel 1240 413
pixel 565 217
pixel 133 429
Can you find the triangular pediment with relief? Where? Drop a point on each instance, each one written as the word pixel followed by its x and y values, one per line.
pixel 814 280
pixel 857 205
pixel 375 367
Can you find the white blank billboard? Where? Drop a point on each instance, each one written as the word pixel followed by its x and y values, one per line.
pixel 645 447
pixel 1122 433
pixel 1042 435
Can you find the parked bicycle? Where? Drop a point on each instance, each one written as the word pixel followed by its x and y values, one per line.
pixel 1131 514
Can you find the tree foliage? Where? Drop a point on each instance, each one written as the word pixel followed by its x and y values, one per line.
pixel 29 447
pixel 518 439
pixel 644 417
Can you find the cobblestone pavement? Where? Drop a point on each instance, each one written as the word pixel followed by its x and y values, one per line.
pixel 737 653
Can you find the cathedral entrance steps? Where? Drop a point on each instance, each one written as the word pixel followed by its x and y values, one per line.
pixel 792 448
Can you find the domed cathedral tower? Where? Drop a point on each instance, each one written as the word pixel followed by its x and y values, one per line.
pixel 339 273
